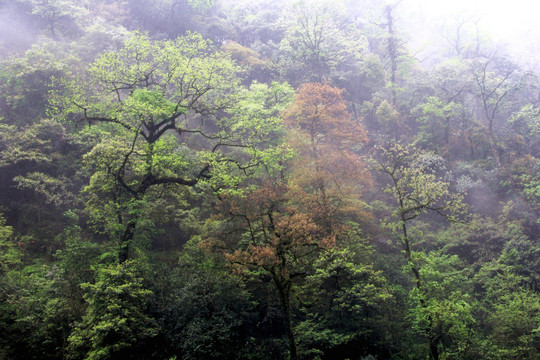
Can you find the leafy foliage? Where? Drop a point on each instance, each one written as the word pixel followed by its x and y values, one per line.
pixel 115 323
pixel 199 188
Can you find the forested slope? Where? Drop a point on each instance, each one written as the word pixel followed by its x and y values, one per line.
pixel 200 179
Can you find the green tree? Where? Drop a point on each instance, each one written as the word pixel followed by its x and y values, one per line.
pixel 210 308
pixel 515 318
pixel 442 306
pixel 116 324
pixel 58 15
pixel 293 216
pixel 343 298
pixel 10 255
pixel 415 189
pixel 320 40
pixel 437 124
pixel 525 126
pixel 201 5
pixel 280 242
pixel 497 79
pixel 510 307
pixel 41 177
pixel 163 105
pixel 25 81
pixel 446 111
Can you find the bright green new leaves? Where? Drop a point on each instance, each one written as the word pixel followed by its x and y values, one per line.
pixel 116 323
pixel 437 121
pixel 416 188
pixel 257 124
pixel 175 75
pixel 516 325
pixel 342 290
pixel 250 139
pixel 257 115
pixel 440 304
pixel 9 254
pixel 172 115
pixel 415 185
pixel 201 5
pixel 148 104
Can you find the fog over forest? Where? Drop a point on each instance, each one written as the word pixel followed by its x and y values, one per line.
pixel 269 179
pixel 511 25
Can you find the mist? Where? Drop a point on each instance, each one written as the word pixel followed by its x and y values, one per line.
pixel 17 30
pixel 263 180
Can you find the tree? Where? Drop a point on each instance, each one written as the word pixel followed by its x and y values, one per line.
pixel 334 177
pixel 443 308
pixel 163 105
pixel 496 80
pixel 511 307
pixel 290 219
pixel 256 24
pixel 57 14
pixel 10 255
pixel 36 308
pixel 280 241
pixel 525 131
pixel 344 298
pixel 320 40
pixel 25 83
pixel 41 177
pixel 392 49
pixel 515 320
pixel 416 189
pixel 116 323
pixel 462 35
pixel 210 311
pixel 437 121
pixel 452 107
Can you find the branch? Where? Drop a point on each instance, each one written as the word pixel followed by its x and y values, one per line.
pixel 230 145
pixel 102 119
pixel 120 173
pixel 151 180
pixel 172 180
pixel 211 137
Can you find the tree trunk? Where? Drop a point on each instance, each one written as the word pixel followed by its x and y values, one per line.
pixel 433 339
pixel 284 296
pixel 392 51
pixel 433 348
pixel 494 150
pixel 125 241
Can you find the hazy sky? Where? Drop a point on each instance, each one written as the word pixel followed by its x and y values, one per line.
pixel 513 23
pixel 500 17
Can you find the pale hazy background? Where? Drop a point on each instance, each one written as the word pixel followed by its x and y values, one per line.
pixel 513 24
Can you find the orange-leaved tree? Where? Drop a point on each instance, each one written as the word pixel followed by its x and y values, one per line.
pixel 281 240
pixel 287 223
pixel 329 170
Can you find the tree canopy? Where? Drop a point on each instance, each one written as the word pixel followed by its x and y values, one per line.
pixel 198 179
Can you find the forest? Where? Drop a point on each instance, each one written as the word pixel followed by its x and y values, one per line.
pixel 263 180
